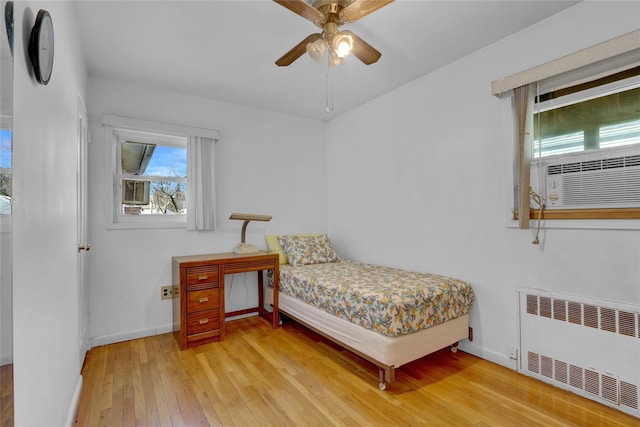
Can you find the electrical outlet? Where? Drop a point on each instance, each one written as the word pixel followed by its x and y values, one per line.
pixel 166 292
pixel 176 291
pixel 513 353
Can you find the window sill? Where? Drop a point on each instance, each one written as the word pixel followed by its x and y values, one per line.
pixel 594 219
pixel 146 225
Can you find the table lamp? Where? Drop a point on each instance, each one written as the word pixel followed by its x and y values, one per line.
pixel 242 247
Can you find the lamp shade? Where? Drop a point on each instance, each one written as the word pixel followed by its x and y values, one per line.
pixel 342 43
pixel 316 49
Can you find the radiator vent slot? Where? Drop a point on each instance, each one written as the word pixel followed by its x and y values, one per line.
pixel 591 316
pixel 584 345
pixel 627 323
pixel 533 362
pixel 575 312
pixel 561 372
pixel 609 388
pixel 560 309
pixel 532 304
pixel 628 395
pixel 576 377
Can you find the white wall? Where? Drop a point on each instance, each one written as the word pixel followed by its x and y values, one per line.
pixel 45 287
pixel 266 163
pixel 419 178
pixel 6 115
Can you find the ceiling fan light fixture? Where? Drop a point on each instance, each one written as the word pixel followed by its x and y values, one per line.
pixel 342 44
pixel 316 49
pixel 333 59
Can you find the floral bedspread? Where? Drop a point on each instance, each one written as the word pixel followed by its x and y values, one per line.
pixel 388 300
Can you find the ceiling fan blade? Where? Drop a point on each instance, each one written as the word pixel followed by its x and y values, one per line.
pixel 361 8
pixel 363 50
pixel 303 9
pixel 297 51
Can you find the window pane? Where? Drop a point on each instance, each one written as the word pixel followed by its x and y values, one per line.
pixel 5 171
pixel 560 144
pixel 603 122
pixel 159 197
pixel 138 158
pixel 620 134
pixel 168 161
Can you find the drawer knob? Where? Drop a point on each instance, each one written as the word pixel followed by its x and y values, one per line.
pixel 203 321
pixel 203 277
pixel 203 300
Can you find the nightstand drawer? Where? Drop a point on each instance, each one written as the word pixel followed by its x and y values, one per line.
pixel 207 299
pixel 203 321
pixel 199 275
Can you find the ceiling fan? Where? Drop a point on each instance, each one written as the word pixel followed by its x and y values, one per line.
pixel 329 15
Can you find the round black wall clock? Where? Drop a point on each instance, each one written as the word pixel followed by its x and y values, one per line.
pixel 41 47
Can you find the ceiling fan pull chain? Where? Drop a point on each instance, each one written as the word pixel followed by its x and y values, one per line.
pixel 328 79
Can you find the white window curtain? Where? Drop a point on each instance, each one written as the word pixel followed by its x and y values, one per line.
pixel 200 172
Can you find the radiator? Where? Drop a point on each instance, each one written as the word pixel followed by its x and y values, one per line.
pixel 587 346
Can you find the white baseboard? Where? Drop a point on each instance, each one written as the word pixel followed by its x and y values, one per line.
pixel 491 356
pixel 130 335
pixel 147 332
pixel 75 402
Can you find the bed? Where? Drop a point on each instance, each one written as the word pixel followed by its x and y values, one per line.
pixel 388 316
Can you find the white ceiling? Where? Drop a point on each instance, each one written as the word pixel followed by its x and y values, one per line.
pixel 225 50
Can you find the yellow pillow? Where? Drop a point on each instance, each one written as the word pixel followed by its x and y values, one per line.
pixel 274 245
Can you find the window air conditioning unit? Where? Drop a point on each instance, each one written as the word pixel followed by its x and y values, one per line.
pixel 606 178
pixel 135 192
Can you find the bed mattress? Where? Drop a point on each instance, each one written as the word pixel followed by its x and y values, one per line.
pixel 387 301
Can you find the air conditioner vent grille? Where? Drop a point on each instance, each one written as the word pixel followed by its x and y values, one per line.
pixel 602 187
pixel 591 165
pixel 632 160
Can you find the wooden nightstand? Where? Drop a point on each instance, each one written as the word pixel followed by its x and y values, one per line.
pixel 198 315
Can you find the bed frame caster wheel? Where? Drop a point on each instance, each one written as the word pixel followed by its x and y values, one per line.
pixel 382 386
pixel 279 320
pixel 454 348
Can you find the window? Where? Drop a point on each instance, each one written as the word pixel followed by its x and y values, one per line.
pixel 162 174
pixel 579 119
pixel 599 119
pixel 587 107
pixel 5 171
pixel 151 174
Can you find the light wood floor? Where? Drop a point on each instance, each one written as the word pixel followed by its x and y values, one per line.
pixel 293 377
pixel 6 395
